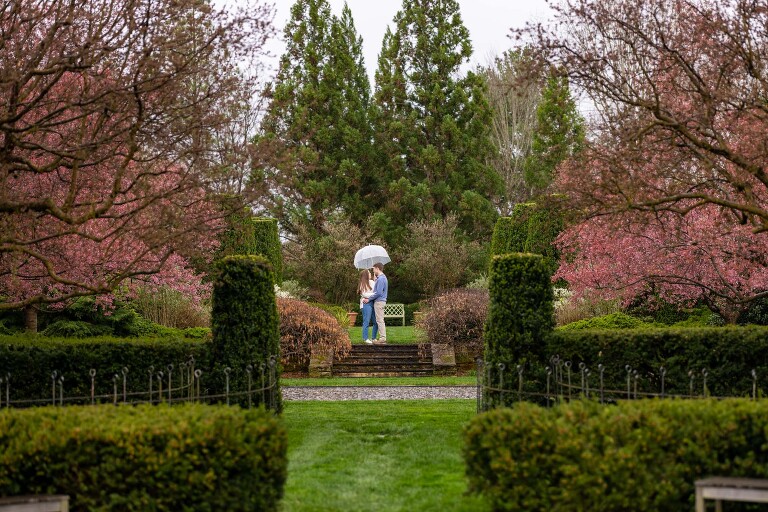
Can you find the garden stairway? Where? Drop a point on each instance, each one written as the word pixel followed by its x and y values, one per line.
pixel 384 361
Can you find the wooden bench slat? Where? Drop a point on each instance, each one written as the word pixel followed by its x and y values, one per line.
pixel 724 481
pixel 753 490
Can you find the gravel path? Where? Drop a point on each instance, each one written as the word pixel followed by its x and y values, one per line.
pixel 338 393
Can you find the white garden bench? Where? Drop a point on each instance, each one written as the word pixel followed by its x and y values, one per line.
pixel 753 490
pixel 39 503
pixel 394 310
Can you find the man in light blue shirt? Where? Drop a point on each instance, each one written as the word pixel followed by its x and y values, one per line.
pixel 379 299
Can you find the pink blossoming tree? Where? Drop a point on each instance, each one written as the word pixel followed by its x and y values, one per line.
pixel 111 120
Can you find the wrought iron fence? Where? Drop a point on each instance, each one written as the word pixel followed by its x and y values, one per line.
pixel 167 384
pixel 562 380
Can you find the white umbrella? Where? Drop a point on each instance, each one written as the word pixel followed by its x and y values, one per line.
pixel 369 255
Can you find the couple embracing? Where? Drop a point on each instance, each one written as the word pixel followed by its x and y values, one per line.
pixel 373 298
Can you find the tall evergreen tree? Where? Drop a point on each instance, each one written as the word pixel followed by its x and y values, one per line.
pixel 432 124
pixel 349 147
pixel 559 133
pixel 317 124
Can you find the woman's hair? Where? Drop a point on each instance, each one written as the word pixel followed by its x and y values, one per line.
pixel 364 285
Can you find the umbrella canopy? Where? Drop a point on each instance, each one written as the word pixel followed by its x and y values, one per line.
pixel 369 255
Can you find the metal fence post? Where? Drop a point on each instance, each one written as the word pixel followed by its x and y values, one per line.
pixel 125 384
pixel 601 369
pixel 249 372
pixel 92 373
pixel 227 371
pixel 54 374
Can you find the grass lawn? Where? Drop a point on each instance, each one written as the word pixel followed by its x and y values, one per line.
pixel 381 381
pixel 395 334
pixel 379 456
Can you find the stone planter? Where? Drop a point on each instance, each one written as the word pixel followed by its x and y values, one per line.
pixel 352 316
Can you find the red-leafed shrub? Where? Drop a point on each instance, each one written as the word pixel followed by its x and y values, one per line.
pixel 457 317
pixel 307 329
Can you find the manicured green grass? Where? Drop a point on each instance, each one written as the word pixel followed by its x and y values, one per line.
pixel 382 381
pixel 377 456
pixel 395 334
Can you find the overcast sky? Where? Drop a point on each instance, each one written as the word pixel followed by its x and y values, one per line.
pixel 488 22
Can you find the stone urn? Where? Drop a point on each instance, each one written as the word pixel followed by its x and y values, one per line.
pixel 352 316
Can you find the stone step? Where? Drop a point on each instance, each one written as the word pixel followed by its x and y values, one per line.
pixel 384 361
pixel 424 373
pixel 378 362
pixel 382 357
pixel 388 348
pixel 383 364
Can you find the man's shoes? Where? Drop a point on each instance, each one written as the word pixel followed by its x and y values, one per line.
pixel 369 342
pixel 380 341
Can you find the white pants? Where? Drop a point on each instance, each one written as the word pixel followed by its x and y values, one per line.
pixel 378 308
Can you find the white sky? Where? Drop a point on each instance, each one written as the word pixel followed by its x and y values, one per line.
pixel 488 22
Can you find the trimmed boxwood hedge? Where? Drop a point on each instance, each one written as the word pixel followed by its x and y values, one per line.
pixel 266 241
pixel 532 228
pixel 188 457
pixel 244 322
pixel 729 354
pixel 642 455
pixel 31 360
pixel 520 315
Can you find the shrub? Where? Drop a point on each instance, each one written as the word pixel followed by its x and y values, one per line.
pixel 76 329
pixel 165 306
pixel 729 354
pixel 337 312
pixel 508 236
pixel 569 309
pixel 244 320
pixel 323 260
pixel 611 321
pixel 85 317
pixel 291 289
pixel 457 318
pixel 31 360
pixel 756 313
pixel 520 315
pixel 145 458
pixel 532 228
pixel 435 257
pixel 266 242
pixel 306 329
pixel 479 283
pixel 641 455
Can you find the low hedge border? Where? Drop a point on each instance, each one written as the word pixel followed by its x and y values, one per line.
pixel 30 361
pixel 729 354
pixel 642 455
pixel 188 457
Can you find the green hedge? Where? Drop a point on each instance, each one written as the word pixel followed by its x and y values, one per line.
pixel 637 456
pixel 189 457
pixel 266 241
pixel 31 360
pixel 729 354
pixel 246 234
pixel 244 321
pixel 532 228
pixel 508 236
pixel 520 315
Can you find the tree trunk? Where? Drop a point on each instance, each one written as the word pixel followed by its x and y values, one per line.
pixel 30 319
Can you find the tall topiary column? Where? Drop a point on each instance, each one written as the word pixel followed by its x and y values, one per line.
pixel 266 241
pixel 510 233
pixel 532 228
pixel 245 326
pixel 520 315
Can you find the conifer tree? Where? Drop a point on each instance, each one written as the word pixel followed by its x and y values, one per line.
pixel 559 133
pixel 317 123
pixel 432 124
